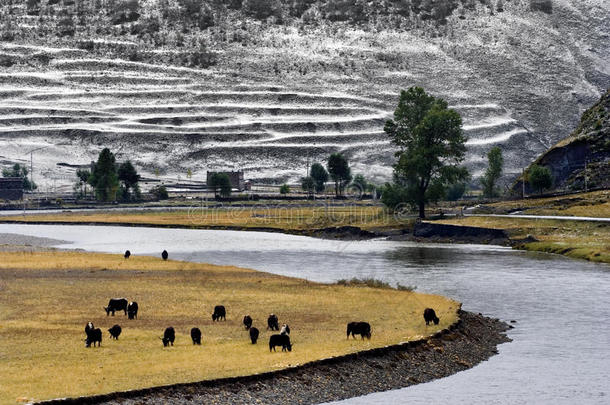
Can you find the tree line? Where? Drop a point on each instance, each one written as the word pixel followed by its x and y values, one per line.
pixel 109 180
pixel 338 170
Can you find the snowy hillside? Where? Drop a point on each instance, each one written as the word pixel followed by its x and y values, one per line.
pixel 290 93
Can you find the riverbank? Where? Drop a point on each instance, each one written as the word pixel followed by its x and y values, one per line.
pixel 48 296
pixel 576 239
pixel 470 341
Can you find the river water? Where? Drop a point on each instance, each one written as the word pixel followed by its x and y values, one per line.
pixel 560 352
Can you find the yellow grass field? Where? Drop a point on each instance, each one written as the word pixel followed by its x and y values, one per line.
pixel 46 298
pixel 592 204
pixel 285 218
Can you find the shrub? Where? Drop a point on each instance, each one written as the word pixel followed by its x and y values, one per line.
pixel 546 6
pixel 160 192
pixel 284 189
pixel 308 185
pixel 363 282
pixel 540 178
pixel 456 191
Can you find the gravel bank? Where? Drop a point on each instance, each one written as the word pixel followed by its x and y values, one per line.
pixel 470 342
pixel 16 242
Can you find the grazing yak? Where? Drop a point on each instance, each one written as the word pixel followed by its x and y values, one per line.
pixel 280 340
pixel 253 335
pixel 132 310
pixel 168 336
pixel 219 313
pixel 273 323
pixel 127 254
pixel 359 328
pixel 430 316
pixel 285 330
pixel 115 331
pixel 164 255
pixel 94 336
pixel 196 336
pixel 247 322
pixel 116 304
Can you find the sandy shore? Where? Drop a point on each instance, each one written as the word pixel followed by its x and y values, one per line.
pixel 471 341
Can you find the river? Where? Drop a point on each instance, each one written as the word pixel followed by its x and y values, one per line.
pixel 560 352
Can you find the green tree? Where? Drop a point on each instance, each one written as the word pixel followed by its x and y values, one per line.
pixel 319 176
pixel 360 183
pixel 540 178
pixel 104 177
pixel 20 171
pixel 339 171
pixel 220 184
pixel 431 145
pixel 308 185
pixel 493 172
pixel 128 175
pixel 284 189
pixel 83 176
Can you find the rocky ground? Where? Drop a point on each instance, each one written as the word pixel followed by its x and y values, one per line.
pixel 470 342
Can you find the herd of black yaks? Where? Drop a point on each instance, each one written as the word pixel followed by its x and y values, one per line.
pixel 130 308
pixel 94 335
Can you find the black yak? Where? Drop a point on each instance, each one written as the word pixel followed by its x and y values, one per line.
pixel 430 316
pixel 115 331
pixel 132 310
pixel 94 336
pixel 253 335
pixel 168 336
pixel 88 327
pixel 280 340
pixel 273 323
pixel 164 255
pixel 116 304
pixel 247 322
pixel 219 313
pixel 127 254
pixel 196 336
pixel 359 328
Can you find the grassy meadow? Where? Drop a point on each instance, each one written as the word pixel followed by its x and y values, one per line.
pixel 47 298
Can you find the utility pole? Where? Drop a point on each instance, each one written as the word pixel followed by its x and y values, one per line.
pixel 31 172
pixel 32 164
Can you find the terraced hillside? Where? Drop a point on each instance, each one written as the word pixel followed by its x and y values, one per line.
pixel 286 96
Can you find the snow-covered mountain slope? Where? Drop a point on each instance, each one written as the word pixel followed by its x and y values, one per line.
pixel 288 95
